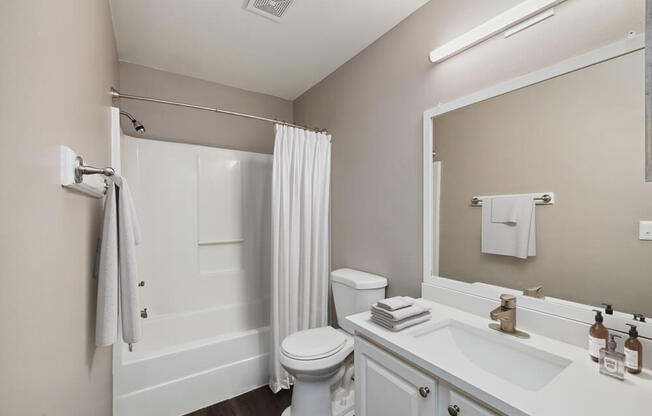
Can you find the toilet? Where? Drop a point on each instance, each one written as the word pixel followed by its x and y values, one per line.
pixel 321 359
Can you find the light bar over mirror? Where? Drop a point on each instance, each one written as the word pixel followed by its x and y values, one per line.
pixel 503 21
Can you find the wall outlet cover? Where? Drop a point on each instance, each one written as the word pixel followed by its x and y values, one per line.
pixel 645 230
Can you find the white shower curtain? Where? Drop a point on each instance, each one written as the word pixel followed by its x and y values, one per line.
pixel 300 239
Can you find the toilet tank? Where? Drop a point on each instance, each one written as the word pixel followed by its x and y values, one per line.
pixel 354 292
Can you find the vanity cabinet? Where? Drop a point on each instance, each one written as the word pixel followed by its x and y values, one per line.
pixel 385 385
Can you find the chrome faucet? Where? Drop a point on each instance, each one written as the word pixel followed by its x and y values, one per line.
pixel 534 291
pixel 506 315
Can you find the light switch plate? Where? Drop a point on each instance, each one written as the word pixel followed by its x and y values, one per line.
pixel 645 230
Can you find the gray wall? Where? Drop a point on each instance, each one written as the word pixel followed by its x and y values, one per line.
pixel 185 125
pixel 579 135
pixel 373 106
pixel 58 63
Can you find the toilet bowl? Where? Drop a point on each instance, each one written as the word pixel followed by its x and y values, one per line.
pixel 316 368
pixel 318 358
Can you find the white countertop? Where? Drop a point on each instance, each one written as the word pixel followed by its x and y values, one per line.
pixel 578 390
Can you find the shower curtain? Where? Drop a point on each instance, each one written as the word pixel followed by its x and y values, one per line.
pixel 300 239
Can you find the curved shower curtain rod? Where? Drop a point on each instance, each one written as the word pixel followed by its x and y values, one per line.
pixel 117 96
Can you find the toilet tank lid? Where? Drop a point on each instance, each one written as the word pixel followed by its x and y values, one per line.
pixel 357 279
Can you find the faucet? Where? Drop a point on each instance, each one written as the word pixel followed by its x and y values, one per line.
pixel 534 291
pixel 506 315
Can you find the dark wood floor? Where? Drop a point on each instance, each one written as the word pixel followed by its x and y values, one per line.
pixel 259 402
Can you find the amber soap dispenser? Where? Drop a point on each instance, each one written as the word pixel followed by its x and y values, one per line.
pixel 598 337
pixel 633 352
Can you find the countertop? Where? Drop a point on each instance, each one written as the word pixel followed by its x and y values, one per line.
pixel 579 389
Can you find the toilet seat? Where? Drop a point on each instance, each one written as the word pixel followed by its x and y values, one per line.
pixel 313 344
pixel 323 365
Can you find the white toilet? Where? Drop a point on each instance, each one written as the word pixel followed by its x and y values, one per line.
pixel 320 359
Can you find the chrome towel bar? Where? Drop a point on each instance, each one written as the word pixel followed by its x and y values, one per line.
pixel 81 170
pixel 545 199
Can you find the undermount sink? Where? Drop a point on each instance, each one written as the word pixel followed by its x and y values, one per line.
pixel 496 353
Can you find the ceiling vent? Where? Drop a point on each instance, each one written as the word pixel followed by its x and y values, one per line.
pixel 271 9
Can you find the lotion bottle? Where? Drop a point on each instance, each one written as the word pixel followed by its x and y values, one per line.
pixel 598 337
pixel 633 352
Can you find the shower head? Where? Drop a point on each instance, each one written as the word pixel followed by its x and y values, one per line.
pixel 138 127
pixel 137 124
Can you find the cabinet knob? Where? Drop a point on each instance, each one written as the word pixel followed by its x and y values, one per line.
pixel 424 391
pixel 453 410
pixel 141 283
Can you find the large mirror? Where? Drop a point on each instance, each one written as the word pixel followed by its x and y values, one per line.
pixel 578 136
pixel 648 90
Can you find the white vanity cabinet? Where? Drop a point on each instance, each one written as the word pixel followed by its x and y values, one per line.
pixel 388 386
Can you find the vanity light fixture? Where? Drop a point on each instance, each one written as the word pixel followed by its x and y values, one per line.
pixel 505 20
pixel 529 22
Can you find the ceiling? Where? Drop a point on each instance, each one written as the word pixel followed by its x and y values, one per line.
pixel 220 41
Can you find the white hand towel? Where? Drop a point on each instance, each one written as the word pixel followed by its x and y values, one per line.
pixel 129 236
pixel 506 209
pixel 396 302
pixel 106 316
pixel 513 238
pixel 397 326
pixel 400 314
pixel 117 271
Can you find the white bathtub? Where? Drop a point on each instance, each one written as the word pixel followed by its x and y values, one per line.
pixel 177 369
pixel 205 261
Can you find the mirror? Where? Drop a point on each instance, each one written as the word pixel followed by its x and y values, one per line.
pixel 648 90
pixel 578 134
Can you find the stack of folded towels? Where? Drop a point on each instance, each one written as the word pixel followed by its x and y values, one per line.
pixel 399 312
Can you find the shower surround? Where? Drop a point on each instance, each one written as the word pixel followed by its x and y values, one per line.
pixel 205 217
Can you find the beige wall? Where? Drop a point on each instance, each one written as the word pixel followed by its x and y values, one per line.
pixel 373 106
pixel 199 127
pixel 581 136
pixel 58 62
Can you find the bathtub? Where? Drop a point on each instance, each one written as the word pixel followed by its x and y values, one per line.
pixel 177 368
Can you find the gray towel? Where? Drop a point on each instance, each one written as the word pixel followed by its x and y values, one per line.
pixel 405 323
pixel 117 271
pixel 415 309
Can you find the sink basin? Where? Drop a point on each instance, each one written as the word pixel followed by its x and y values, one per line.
pixel 499 354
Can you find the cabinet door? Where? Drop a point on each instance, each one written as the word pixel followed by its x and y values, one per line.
pixel 387 386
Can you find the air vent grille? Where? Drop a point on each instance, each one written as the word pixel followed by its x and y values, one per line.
pixel 272 9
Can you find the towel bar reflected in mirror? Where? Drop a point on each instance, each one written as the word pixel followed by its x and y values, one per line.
pixel 544 199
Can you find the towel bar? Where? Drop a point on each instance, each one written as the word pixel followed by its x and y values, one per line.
pixel 74 174
pixel 544 199
pixel 81 170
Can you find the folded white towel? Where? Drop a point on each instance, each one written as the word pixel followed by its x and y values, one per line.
pixel 511 231
pixel 116 270
pixel 396 302
pixel 403 313
pixel 506 209
pixel 397 326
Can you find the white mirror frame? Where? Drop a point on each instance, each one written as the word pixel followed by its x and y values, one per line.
pixel 559 307
pixel 648 90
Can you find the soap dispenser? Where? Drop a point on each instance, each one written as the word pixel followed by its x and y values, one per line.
pixel 612 363
pixel 633 352
pixel 598 336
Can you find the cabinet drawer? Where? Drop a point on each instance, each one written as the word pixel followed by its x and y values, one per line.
pixel 388 386
pixel 456 404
